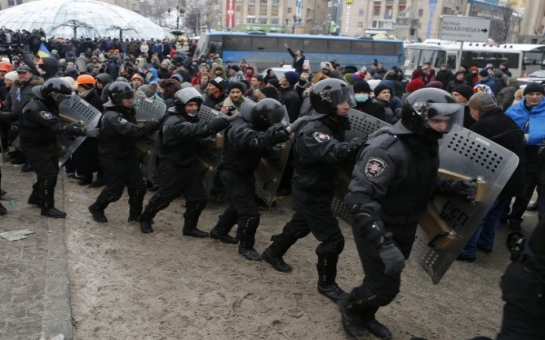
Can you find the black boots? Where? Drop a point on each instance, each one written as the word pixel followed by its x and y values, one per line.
pixel 358 316
pixel 155 204
pixel 3 210
pixel 376 328
pixel 136 201
pixel 34 198
pixel 46 193
pixel 277 262
pixel 351 320
pixel 191 218
pixel 327 272
pixel 221 230
pixel 247 229
pixel 97 210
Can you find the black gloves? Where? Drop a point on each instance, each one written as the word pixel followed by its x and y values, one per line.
pixel 217 125
pixel 348 151
pixel 150 126
pixel 465 188
pixel 92 133
pixel 515 243
pixel 393 259
pixel 73 129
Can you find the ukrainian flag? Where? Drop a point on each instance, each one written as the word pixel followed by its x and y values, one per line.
pixel 43 51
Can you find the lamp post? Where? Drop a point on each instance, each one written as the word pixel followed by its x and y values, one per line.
pixel 179 14
pixel 295 20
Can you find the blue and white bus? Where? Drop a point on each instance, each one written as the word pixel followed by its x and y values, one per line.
pixel 264 50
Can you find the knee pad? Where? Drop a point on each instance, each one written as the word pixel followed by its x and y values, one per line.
pixel 334 247
pixel 194 208
pixel 366 297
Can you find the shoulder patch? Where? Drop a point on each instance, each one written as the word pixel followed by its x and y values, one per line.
pixel 321 137
pixel 46 115
pixel 122 120
pixel 374 167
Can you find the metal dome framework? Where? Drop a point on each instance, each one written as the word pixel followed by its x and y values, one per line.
pixel 81 18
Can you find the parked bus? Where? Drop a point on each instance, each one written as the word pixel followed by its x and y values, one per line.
pixel 264 50
pixel 520 58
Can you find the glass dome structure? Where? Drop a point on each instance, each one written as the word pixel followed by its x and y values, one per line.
pixel 81 18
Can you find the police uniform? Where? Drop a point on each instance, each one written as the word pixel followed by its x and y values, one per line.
pixel 39 123
pixel 119 160
pixel 319 151
pixel 244 145
pixel 181 137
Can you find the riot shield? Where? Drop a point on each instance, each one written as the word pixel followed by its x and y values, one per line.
pixel 147 147
pixel 209 158
pixel 362 125
pixel 270 169
pixel 75 110
pixel 450 221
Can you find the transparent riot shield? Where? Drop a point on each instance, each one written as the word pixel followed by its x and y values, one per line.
pixel 362 125
pixel 209 158
pixel 147 147
pixel 450 221
pixel 270 170
pixel 75 110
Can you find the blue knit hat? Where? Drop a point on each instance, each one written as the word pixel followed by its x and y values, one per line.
pixel 292 77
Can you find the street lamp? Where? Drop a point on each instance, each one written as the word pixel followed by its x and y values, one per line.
pixel 179 13
pixel 295 19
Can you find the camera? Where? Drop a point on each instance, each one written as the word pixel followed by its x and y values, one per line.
pixel 231 108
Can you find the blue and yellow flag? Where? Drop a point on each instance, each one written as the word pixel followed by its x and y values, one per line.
pixel 43 51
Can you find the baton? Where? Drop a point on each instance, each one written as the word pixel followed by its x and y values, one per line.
pixel 70 120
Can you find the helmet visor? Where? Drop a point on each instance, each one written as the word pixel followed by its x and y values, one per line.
pixel 279 115
pixel 442 117
pixel 341 96
pixel 126 94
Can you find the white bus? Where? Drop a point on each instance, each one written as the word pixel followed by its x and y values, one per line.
pixel 521 59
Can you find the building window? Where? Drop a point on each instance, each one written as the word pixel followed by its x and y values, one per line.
pixel 274 11
pixel 251 1
pixel 420 12
pixel 389 12
pixel 381 24
pixel 251 10
pixel 275 2
pixel 275 21
pixel 11 3
pixel 238 8
pixel 238 22
pixel 360 12
pixel 20 2
pixel 263 10
pixel 263 2
pixel 250 20
pixel 289 10
pixel 360 24
pixel 262 21
pixel 376 9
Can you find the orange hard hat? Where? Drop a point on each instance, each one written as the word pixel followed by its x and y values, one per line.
pixel 85 79
pixel 5 66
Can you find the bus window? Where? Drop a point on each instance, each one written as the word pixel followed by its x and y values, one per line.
pixel 440 59
pixel 265 44
pixel 321 46
pixel 411 61
pixel 294 43
pixel 202 47
pixel 428 56
pixel 362 47
pixel 451 61
pixel 237 43
pixel 383 48
pixel 216 47
pixel 533 58
pixel 337 46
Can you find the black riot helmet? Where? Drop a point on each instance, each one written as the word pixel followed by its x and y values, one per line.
pixel 422 107
pixel 328 93
pixel 263 114
pixel 184 96
pixel 119 90
pixel 103 78
pixel 53 85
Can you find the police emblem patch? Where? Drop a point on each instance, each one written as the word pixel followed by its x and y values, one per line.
pixel 321 137
pixel 375 167
pixel 46 115
pixel 122 120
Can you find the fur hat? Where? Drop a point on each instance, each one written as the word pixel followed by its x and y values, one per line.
pixel 170 87
pixel 237 85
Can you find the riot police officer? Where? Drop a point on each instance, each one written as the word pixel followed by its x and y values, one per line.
pixel 392 182
pixel 181 137
pixel 117 154
pixel 319 151
pixel 39 124
pixel 244 144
